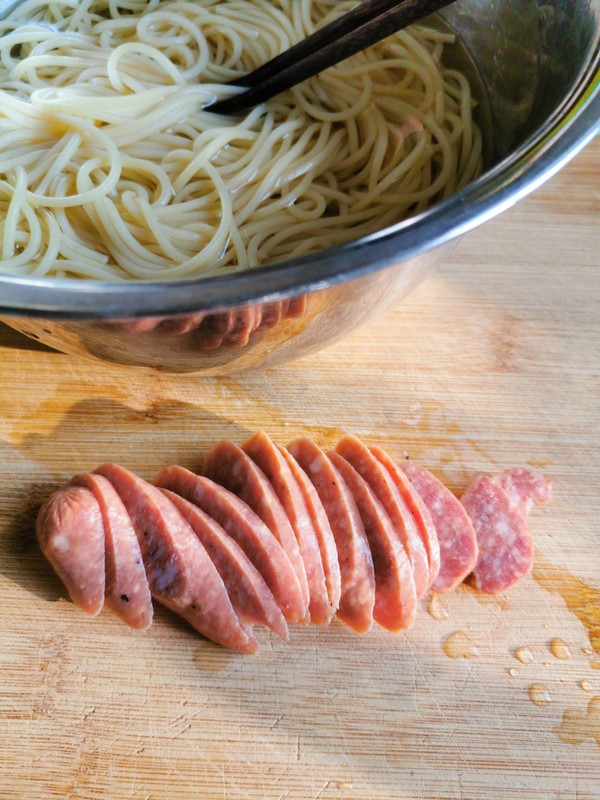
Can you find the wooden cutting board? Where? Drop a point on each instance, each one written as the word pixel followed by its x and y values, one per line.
pixel 493 362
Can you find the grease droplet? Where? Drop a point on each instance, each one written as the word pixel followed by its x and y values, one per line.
pixel 538 462
pixel 436 608
pixel 586 686
pixel 595 664
pixel 343 786
pixel 587 651
pixel 459 645
pixel 513 672
pixel 539 694
pixel 524 655
pixel 580 724
pixel 560 649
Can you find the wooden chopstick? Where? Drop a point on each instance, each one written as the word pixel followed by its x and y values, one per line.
pixel 363 13
pixel 368 23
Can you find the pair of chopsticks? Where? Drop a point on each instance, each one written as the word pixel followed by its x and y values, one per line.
pixel 368 23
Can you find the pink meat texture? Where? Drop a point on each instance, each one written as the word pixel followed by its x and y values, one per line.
pixel 230 467
pixel 384 488
pixel 269 536
pixel 503 538
pixel 353 552
pixel 455 532
pixel 395 593
pixel 239 522
pixel 269 458
pixel 127 591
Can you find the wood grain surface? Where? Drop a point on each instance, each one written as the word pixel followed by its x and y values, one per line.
pixel 493 362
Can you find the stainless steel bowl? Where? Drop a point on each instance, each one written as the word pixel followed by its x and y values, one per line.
pixel 537 66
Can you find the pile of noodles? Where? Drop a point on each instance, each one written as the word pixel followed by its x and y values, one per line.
pixel 112 169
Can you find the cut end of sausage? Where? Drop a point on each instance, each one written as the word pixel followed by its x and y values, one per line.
pixel 71 535
pixel 127 593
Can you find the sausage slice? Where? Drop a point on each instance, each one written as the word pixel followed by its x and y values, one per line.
pixel 228 465
pixel 353 553
pixel 417 508
pixel 395 593
pixel 364 462
pixel 127 592
pixel 455 532
pixel 180 572
pixel 320 522
pixel 505 544
pixel 249 594
pixel 242 524
pixel 71 535
pixel 270 459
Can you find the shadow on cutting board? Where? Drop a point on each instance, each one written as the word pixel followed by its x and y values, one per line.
pixel 92 432
pixel 16 341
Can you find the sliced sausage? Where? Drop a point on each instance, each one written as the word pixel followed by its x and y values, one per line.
pixel 354 556
pixel 179 570
pixel 242 524
pixel 249 594
pixel 455 532
pixel 505 544
pixel 417 508
pixel 380 481
pixel 228 465
pixel 71 535
pixel 127 591
pixel 269 458
pixel 320 522
pixel 525 487
pixel 395 595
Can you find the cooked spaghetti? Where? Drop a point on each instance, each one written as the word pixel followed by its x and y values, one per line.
pixel 112 166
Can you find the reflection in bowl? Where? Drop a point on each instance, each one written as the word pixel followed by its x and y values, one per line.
pixel 232 328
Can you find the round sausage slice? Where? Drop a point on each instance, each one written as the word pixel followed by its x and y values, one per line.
pixel 395 594
pixel 70 531
pixel 181 575
pixel 524 487
pixel 270 459
pixel 353 553
pixel 228 465
pixel 242 524
pixel 455 532
pixel 364 462
pixel 127 591
pixel 505 544
pixel 249 594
